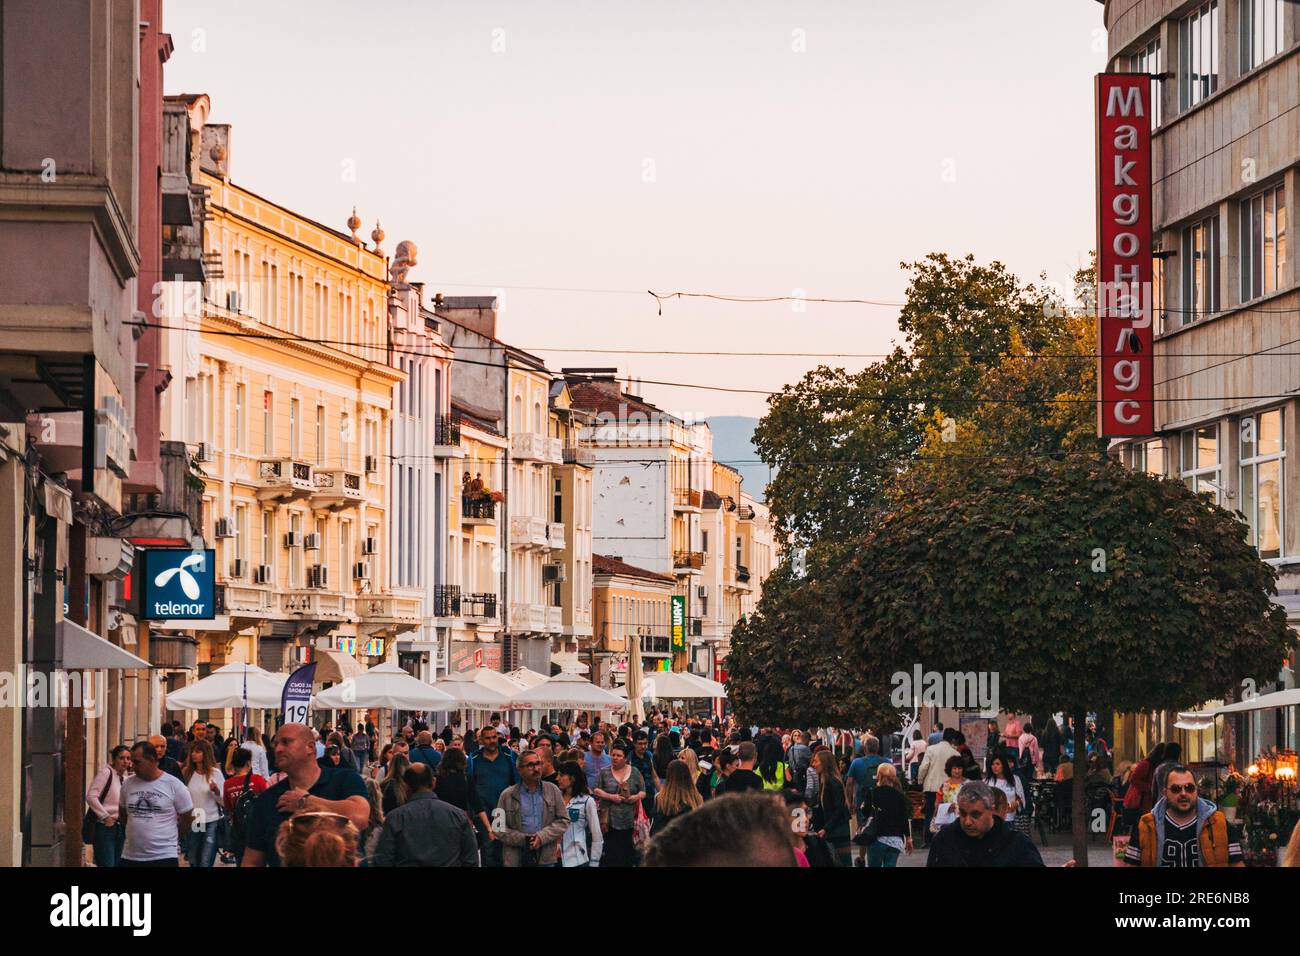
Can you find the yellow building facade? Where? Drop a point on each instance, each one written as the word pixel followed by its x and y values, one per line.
pixel 288 387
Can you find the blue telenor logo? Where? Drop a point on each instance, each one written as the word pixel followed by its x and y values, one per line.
pixel 179 584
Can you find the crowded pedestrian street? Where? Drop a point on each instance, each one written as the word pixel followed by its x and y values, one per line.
pixel 665 436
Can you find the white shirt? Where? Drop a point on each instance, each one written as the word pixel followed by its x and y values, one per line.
pixel 260 766
pixel 573 845
pixel 1014 791
pixel 151 808
pixel 202 796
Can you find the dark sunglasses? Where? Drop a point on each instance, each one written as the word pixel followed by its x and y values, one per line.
pixel 1182 788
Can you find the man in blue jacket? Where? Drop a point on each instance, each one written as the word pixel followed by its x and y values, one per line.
pixel 492 770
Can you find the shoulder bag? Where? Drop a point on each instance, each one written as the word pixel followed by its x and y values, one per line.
pixel 90 819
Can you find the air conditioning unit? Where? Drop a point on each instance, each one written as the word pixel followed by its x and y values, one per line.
pixel 361 571
pixel 238 568
pixel 225 528
pixel 370 546
pixel 262 574
pixel 553 573
pixel 292 539
pixel 701 591
pixel 318 576
pixel 204 452
pixel 311 542
pixel 372 464
pixel 232 300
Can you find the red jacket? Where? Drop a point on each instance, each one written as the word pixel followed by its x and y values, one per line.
pixel 1138 794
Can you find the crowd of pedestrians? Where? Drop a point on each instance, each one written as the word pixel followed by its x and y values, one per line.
pixel 671 790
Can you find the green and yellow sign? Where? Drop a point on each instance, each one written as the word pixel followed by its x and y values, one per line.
pixel 678 622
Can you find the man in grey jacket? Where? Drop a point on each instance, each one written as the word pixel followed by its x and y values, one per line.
pixel 535 816
pixel 425 831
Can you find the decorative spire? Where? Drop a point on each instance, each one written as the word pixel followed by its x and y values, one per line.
pixel 354 223
pixel 378 236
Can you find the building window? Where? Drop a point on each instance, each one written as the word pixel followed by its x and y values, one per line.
pixel 1201 461
pixel 1262 454
pixel 1151 59
pixel 1148 456
pixel 241 532
pixel 558 507
pixel 268 538
pixel 295 553
pixel 1200 257
pixel 268 424
pixel 1263 243
pixel 1158 316
pixel 320 434
pixel 1198 74
pixel 293 428
pixel 1261 31
pixel 345 439
pixel 241 402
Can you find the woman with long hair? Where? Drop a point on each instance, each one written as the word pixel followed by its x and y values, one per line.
pixel 664 755
pixel 893 815
pixel 317 838
pixel 772 769
pixel 103 797
pixel 385 755
pixel 677 797
pixel 452 784
pixel 205 782
pixel 1003 777
pixel 831 813
pixel 582 843
pixel 394 787
pixel 1139 794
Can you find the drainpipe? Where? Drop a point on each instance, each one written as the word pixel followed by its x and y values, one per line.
pixel 503 525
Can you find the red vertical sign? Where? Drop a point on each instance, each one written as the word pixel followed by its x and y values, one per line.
pixel 1125 381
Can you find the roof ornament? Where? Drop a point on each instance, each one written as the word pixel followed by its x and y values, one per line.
pixel 377 234
pixel 354 223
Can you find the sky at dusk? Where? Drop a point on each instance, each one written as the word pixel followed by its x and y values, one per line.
pixel 535 149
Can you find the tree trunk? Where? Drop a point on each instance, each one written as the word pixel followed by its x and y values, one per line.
pixel 1079 815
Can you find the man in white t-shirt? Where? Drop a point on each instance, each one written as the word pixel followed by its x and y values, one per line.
pixel 156 808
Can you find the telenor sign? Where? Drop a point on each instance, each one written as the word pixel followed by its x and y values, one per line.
pixel 1125 383
pixel 178 584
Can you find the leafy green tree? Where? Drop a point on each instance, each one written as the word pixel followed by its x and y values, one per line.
pixel 1083 585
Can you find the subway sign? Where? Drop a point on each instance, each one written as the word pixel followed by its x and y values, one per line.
pixel 177 584
pixel 1125 380
pixel 678 622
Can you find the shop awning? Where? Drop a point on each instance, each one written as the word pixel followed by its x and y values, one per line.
pixel 335 666
pixel 1281 698
pixel 86 650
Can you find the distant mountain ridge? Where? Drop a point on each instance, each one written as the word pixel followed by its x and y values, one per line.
pixel 733 444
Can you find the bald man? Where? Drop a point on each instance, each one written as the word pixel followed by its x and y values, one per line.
pixel 165 763
pixel 307 788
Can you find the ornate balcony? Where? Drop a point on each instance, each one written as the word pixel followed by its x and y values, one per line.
pixel 527 532
pixel 478 511
pixel 528 617
pixel 336 488
pixel 446 600
pixel 313 604
pixel 686 562
pixel 284 479
pixel 687 499
pixel 388 613
pixel 578 455
pixel 446 437
pixel 530 446
pixel 554 620
pixel 555 536
pixel 480 608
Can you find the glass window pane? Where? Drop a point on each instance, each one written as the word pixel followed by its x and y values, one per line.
pixel 1248 502
pixel 1270 509
pixel 1249 433
pixel 1269 432
pixel 1207 447
pixel 1281 234
pixel 1270 262
pixel 1186 454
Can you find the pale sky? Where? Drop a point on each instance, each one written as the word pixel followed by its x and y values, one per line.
pixel 742 147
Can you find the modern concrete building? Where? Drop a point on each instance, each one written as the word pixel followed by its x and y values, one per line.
pixel 1226 148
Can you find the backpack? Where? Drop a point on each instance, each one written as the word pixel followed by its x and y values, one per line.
pixel 242 813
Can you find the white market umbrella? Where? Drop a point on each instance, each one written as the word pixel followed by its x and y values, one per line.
pixel 384 685
pixel 635 679
pixel 224 688
pixel 676 685
pixel 525 678
pixel 471 693
pixel 566 692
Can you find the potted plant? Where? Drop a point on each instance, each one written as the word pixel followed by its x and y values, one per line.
pixel 1228 802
